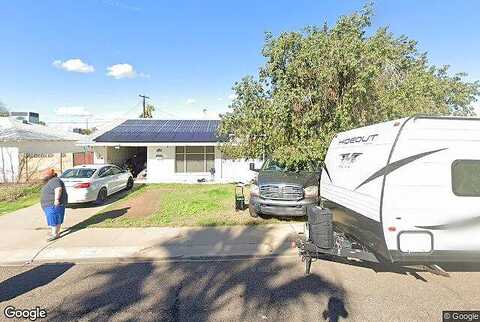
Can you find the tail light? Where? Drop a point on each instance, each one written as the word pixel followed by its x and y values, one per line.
pixel 82 185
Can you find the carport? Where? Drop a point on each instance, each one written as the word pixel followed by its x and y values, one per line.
pixel 133 157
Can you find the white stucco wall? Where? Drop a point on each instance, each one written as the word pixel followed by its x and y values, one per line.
pixel 161 168
pixel 100 155
pixel 8 164
pixel 161 165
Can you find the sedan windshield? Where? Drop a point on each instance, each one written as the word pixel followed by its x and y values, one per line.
pixel 78 173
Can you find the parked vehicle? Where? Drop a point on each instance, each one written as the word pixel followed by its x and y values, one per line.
pixel 405 191
pixel 279 191
pixel 94 182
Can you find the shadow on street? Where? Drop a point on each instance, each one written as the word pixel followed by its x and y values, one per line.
pixel 205 290
pixel 220 289
pixel 27 281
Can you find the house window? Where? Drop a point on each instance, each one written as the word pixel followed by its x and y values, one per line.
pixel 191 159
pixel 466 178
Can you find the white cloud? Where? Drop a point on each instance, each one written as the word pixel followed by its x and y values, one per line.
pixel 120 71
pixel 72 111
pixel 232 96
pixel 191 101
pixel 74 65
pixel 219 99
pixel 203 115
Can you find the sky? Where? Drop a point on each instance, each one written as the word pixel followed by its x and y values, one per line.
pixel 90 59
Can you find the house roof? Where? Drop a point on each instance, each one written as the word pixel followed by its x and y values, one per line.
pixel 12 130
pixel 152 130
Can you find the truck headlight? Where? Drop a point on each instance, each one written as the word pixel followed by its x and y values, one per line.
pixel 311 192
pixel 254 190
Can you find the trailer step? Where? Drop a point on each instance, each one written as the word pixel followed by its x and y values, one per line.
pixel 437 270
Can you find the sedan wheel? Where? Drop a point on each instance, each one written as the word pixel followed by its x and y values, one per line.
pixel 130 183
pixel 102 196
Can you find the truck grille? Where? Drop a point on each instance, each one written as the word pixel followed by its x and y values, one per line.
pixel 281 192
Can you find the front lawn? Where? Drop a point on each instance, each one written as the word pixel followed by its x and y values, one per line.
pixel 17 196
pixel 176 205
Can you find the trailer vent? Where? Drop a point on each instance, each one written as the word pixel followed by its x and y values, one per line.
pixel 281 192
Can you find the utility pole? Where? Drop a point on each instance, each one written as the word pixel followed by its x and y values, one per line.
pixel 144 98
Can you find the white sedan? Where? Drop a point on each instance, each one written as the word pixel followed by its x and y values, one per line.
pixel 95 182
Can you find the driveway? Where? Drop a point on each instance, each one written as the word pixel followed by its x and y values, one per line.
pixel 27 228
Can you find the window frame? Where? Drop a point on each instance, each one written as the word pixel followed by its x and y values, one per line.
pixel 78 170
pixel 184 153
pixel 454 163
pixel 103 171
pixel 117 170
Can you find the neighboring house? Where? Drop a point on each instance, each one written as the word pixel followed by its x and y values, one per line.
pixel 27 149
pixel 171 150
pixel 30 117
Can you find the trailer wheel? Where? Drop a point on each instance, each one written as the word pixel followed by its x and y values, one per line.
pixel 308 265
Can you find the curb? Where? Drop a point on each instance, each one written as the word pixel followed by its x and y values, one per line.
pixel 147 259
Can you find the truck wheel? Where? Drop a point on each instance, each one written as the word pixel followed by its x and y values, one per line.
pixel 252 211
pixel 308 265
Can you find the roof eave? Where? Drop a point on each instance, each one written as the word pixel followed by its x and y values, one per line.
pixel 211 143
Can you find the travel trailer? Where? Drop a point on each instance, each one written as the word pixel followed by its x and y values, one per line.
pixel 405 191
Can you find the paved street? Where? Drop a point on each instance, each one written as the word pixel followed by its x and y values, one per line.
pixel 272 289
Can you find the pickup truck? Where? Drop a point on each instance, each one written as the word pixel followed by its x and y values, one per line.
pixel 278 191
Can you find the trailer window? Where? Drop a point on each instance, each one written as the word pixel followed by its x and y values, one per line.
pixel 466 178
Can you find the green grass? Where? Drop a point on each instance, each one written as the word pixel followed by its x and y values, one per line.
pixel 180 205
pixel 18 196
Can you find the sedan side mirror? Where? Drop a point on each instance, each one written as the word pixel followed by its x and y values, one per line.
pixel 252 167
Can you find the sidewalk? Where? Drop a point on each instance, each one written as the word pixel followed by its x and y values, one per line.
pixel 22 240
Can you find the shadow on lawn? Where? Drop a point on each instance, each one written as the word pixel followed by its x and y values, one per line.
pixel 207 289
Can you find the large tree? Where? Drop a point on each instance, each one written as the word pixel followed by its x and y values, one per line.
pixel 323 80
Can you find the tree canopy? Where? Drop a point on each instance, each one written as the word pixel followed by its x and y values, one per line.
pixel 3 110
pixel 148 112
pixel 325 80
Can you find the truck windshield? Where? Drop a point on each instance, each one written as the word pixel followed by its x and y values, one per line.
pixel 78 173
pixel 273 165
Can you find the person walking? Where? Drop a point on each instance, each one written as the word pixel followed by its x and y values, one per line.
pixel 53 201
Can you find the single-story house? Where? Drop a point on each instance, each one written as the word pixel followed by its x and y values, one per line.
pixel 172 150
pixel 27 149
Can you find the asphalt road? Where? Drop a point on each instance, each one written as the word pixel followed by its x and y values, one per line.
pixel 272 289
